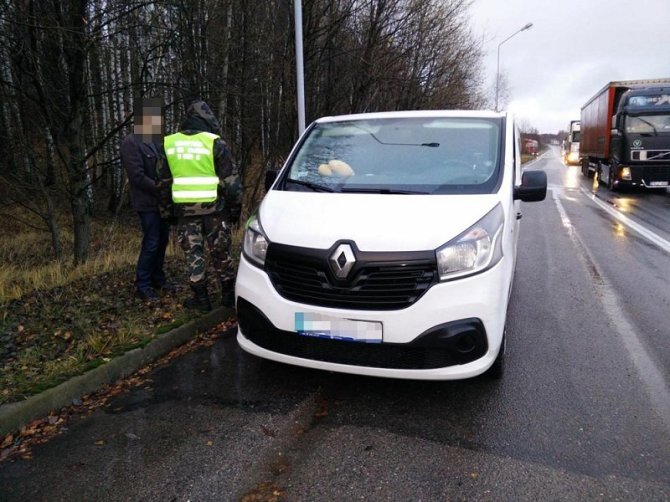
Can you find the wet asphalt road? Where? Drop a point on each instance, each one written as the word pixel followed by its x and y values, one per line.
pixel 582 413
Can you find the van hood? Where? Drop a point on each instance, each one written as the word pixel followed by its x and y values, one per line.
pixel 374 222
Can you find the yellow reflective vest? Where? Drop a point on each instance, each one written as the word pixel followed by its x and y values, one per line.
pixel 191 162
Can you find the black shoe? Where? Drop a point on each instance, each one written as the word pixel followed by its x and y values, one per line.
pixel 200 299
pixel 146 294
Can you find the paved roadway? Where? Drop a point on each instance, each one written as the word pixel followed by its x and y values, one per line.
pixel 582 413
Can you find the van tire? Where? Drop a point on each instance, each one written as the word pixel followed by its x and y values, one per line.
pixel 497 369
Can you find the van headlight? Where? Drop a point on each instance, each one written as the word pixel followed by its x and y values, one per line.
pixel 475 250
pixel 255 242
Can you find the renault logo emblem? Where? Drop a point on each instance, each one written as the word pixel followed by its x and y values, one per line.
pixel 342 260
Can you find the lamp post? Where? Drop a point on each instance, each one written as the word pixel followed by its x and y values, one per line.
pixel 525 27
pixel 299 66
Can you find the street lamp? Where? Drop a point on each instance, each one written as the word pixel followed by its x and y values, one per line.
pixel 526 27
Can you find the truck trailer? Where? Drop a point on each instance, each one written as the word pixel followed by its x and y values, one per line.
pixel 625 134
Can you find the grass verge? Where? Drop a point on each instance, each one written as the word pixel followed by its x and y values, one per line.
pixel 58 321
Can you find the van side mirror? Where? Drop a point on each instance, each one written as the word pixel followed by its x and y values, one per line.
pixel 270 178
pixel 533 186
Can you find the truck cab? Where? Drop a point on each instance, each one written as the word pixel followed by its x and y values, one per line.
pixel 571 145
pixel 641 138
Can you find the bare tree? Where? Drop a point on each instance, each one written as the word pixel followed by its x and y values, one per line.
pixel 74 68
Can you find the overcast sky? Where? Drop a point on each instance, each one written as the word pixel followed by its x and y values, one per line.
pixel 574 48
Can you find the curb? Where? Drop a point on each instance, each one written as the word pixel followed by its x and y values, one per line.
pixel 15 415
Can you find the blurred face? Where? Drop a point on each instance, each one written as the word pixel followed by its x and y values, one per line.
pixel 149 121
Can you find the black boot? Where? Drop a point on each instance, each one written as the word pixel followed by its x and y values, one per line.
pixel 200 298
pixel 227 293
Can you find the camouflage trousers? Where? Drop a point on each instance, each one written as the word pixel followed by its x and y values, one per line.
pixel 192 232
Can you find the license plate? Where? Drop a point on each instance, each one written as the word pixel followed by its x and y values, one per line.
pixel 334 328
pixel 658 183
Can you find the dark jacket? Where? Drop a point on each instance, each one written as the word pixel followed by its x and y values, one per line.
pixel 200 118
pixel 139 160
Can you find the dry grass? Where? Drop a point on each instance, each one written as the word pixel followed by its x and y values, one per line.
pixel 27 263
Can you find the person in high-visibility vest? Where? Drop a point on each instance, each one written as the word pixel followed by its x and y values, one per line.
pixel 195 182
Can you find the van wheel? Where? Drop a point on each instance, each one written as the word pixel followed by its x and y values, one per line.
pixel 496 371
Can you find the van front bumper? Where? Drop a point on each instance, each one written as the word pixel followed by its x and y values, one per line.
pixel 453 331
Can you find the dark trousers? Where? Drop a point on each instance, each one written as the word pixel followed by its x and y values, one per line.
pixel 152 255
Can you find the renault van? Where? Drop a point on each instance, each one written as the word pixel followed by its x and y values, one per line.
pixel 386 246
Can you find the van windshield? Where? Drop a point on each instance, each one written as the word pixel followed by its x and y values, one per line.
pixel 399 155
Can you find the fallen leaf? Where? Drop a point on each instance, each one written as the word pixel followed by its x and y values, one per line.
pixel 99 443
pixel 210 443
pixel 474 475
pixel 9 439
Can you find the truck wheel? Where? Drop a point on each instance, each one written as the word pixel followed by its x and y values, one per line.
pixel 496 371
pixel 585 169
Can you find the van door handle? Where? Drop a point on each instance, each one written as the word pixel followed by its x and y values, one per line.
pixel 519 216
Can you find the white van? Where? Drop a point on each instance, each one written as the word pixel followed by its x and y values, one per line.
pixel 386 246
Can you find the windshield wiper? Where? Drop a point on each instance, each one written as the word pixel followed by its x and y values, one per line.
pixel 649 124
pixel 431 145
pixel 314 186
pixel 381 190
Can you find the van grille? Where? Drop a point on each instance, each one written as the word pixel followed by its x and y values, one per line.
pixel 378 281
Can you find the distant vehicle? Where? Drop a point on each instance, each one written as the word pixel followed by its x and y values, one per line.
pixel 530 146
pixel 626 134
pixel 387 245
pixel 571 144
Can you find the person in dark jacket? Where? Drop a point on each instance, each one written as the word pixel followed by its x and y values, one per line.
pixel 200 183
pixel 140 152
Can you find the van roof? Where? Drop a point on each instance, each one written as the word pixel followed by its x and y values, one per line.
pixel 414 114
